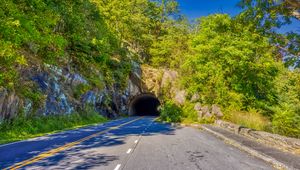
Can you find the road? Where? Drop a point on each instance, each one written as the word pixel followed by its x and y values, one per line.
pixel 134 143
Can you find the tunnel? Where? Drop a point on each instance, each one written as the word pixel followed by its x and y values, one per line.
pixel 144 105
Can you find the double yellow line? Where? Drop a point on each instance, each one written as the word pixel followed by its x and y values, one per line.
pixel 62 148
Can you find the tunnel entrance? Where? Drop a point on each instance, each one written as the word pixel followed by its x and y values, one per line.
pixel 144 105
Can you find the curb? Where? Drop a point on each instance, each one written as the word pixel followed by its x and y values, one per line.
pixel 277 164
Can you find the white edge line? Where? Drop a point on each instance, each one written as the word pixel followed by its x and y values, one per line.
pixel 129 150
pixel 136 141
pixel 117 167
pixel 253 152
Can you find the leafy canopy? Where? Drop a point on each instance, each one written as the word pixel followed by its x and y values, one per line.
pixel 229 64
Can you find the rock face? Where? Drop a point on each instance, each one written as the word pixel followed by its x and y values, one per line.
pixel 162 82
pixel 198 108
pixel 206 112
pixel 59 90
pixel 216 110
pixel 9 104
pixel 180 97
pixel 58 87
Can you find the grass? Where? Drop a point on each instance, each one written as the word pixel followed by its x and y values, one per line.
pixel 29 127
pixel 251 119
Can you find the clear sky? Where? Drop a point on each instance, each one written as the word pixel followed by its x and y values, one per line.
pixel 197 8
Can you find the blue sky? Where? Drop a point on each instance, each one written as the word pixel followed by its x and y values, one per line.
pixel 197 8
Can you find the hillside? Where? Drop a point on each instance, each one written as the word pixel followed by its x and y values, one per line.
pixel 76 60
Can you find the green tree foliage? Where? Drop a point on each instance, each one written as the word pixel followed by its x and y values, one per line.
pixel 237 63
pixel 230 64
pixel 287 113
pixel 138 23
pixel 133 30
pixel 168 50
pixel 63 33
pixel 266 16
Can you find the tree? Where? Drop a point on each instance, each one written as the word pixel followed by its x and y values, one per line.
pixel 229 64
pixel 170 48
pixel 138 23
pixel 271 12
pixel 266 15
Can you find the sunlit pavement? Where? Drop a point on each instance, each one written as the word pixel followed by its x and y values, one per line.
pixel 129 143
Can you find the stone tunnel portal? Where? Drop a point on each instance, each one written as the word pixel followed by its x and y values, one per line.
pixel 144 105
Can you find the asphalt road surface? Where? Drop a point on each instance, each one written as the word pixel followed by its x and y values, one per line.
pixel 135 143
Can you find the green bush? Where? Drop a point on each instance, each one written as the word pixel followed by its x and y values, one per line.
pixel 287 121
pixel 170 112
pixel 286 115
pixel 189 113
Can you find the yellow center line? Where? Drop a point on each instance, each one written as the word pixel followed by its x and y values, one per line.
pixel 62 148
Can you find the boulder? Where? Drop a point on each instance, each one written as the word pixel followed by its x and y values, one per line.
pixel 216 110
pixel 169 76
pixel 180 97
pixel 206 112
pixel 195 97
pixel 197 107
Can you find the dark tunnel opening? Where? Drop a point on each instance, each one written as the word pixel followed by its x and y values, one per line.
pixel 144 105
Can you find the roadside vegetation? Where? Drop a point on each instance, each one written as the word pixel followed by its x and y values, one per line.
pixel 170 112
pixel 243 65
pixel 25 127
pixel 240 63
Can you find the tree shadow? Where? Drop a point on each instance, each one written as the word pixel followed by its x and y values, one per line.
pixel 86 154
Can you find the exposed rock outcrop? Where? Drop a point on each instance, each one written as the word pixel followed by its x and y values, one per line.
pixel 206 112
pixel 64 91
pixel 162 82
pixel 58 87
pixel 9 104
pixel 216 110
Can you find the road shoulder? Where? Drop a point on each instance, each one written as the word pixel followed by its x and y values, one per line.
pixel 279 159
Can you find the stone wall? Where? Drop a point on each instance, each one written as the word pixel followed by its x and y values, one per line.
pixel 283 143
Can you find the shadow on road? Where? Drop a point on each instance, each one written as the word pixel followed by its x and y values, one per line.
pixel 86 154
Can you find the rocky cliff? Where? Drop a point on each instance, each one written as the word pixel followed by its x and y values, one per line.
pixel 54 90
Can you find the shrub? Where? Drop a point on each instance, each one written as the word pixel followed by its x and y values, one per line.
pixel 251 119
pixel 286 118
pixel 287 122
pixel 189 114
pixel 170 112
